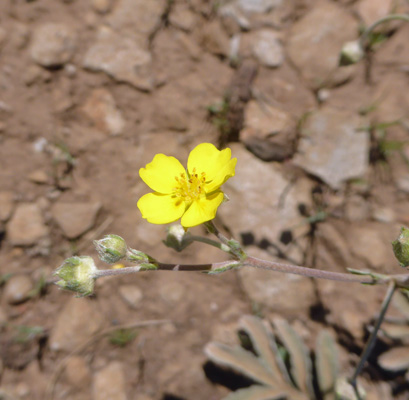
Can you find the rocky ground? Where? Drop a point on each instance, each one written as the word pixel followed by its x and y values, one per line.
pixel 91 90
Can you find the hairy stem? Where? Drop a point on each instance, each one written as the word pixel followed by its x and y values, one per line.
pixel 372 338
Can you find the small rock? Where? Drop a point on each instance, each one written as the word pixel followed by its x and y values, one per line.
pixel 268 49
pixel 332 147
pixel 75 218
pixel 131 294
pixel 38 176
pixel 268 132
pixel 76 322
pixel 77 372
pixel 102 6
pixel 214 39
pixel 384 214
pixel 109 383
pixel 257 6
pixel 121 58
pixel 26 226
pixel 137 19
pixel 181 17
pixel 53 44
pixel 356 209
pixel 18 289
pixel 6 205
pixel 315 41
pixel 101 109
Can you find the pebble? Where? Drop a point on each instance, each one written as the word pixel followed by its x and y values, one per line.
pixel 334 157
pixel 257 6
pixel 6 205
pixel 101 109
pixel 76 322
pixel 38 176
pixel 214 39
pixel 17 289
pixel 53 44
pixel 75 218
pixel 182 17
pixel 131 294
pixel 102 6
pixel 267 49
pixel 109 383
pixel 77 372
pixel 121 58
pixel 26 227
pixel 314 43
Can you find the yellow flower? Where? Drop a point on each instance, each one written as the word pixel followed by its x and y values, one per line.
pixel 193 194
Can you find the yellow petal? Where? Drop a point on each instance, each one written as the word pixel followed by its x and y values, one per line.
pixel 226 172
pixel 207 158
pixel 160 174
pixel 161 208
pixel 202 210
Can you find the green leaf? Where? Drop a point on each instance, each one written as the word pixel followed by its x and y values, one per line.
pixel 257 392
pixel 326 362
pixel 264 345
pixel 241 361
pixel 396 359
pixel 301 368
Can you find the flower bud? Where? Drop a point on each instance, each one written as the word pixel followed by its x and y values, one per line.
pixel 111 248
pixel 401 247
pixel 177 238
pixel 77 274
pixel 143 260
pixel 351 53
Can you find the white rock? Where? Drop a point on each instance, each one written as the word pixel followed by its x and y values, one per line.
pixel 26 226
pixel 75 218
pixel 101 109
pixel 121 58
pixel 109 383
pixel 332 147
pixel 53 44
pixel 315 41
pixel 76 322
pixel 268 49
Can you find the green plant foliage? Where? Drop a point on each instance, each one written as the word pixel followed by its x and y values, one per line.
pixel 279 374
pixel 122 337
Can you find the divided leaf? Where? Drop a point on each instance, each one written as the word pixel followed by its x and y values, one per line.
pixel 241 361
pixel 326 362
pixel 265 345
pixel 257 392
pixel 301 368
pixel 396 359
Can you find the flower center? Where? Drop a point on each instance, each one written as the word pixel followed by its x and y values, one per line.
pixel 190 189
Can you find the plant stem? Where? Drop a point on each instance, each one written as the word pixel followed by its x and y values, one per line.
pixel 211 242
pixel 368 31
pixel 372 338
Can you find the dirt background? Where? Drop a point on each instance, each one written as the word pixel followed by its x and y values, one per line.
pixel 91 90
